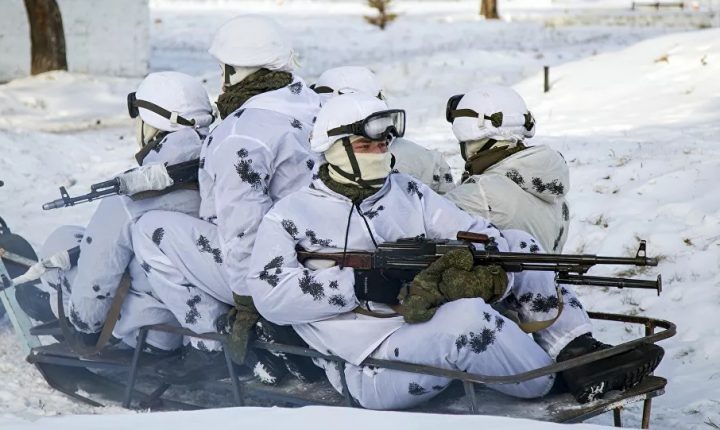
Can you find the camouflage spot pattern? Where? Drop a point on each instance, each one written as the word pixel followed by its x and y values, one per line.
pixel 312 236
pixel 295 123
pixel 413 189
pixel 295 88
pixel 554 187
pixel 337 300
pixel 192 315
pixel 416 389
pixel 308 285
pixel 203 244
pixel 373 213
pixel 515 176
pixel 271 271
pixel 310 163
pixel 247 174
pixel 290 228
pixel 157 235
pixel 145 266
pixel 77 322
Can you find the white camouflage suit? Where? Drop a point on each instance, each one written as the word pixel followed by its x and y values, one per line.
pixel 427 165
pixel 466 335
pixel 525 191
pixel 106 251
pixel 256 156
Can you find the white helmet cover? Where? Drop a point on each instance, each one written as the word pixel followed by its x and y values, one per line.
pixel 252 41
pixel 349 79
pixel 178 93
pixel 342 110
pixel 486 101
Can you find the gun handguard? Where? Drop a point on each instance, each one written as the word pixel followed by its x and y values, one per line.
pixel 182 174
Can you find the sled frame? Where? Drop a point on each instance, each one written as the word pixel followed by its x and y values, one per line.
pixel 468 380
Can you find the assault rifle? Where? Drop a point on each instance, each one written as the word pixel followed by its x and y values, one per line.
pixel 409 256
pixel 183 174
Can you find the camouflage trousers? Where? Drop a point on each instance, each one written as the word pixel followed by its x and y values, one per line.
pixel 181 258
pixel 470 335
pixel 140 306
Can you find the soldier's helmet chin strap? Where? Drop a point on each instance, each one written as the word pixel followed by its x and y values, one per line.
pixel 356 175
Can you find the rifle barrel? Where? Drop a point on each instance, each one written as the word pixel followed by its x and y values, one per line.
pixel 602 281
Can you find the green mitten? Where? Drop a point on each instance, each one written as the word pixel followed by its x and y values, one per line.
pixel 486 282
pixel 424 296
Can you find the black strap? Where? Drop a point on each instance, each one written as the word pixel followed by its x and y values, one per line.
pixel 152 107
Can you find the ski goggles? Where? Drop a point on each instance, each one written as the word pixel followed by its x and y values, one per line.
pixel 496 119
pixel 377 126
pixel 134 104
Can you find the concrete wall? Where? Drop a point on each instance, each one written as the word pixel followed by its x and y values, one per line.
pixel 109 37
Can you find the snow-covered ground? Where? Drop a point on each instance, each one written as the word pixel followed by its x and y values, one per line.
pixel 638 126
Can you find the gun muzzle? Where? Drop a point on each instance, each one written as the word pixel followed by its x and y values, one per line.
pixel 55 204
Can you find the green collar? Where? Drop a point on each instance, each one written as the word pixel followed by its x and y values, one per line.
pixel 355 193
pixel 262 81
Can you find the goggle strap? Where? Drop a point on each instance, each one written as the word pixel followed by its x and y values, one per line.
pixel 172 116
pixel 496 119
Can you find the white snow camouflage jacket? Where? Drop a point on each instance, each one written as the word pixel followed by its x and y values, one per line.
pixel 318 303
pixel 106 248
pixel 257 155
pixel 525 191
pixel 427 165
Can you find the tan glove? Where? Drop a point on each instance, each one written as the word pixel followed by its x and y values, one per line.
pixel 422 299
pixel 487 282
pixel 242 319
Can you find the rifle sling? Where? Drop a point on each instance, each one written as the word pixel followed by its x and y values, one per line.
pixel 527 327
pixel 110 321
pixel 534 326
pixel 363 311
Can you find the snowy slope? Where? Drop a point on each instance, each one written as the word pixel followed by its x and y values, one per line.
pixel 640 129
pixel 639 134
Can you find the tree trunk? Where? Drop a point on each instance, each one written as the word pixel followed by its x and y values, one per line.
pixel 488 9
pixel 47 36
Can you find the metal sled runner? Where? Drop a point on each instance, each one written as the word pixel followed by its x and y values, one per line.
pixel 127 377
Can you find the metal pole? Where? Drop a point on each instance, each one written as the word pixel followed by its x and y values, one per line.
pixel 617 418
pixel 546 70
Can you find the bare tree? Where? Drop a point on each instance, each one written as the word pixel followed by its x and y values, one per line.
pixel 47 36
pixel 489 9
pixel 384 16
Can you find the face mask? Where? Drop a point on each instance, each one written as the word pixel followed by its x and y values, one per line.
pixel 468 149
pixel 373 167
pixel 144 132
